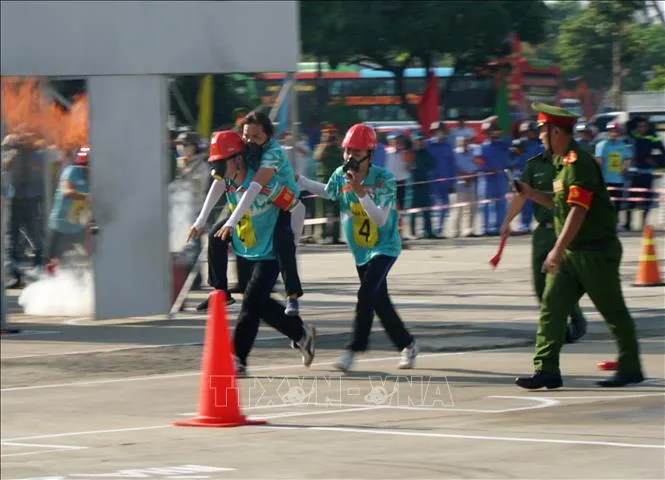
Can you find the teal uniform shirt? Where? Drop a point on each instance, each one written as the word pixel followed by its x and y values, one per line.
pixel 364 238
pixel 253 236
pixel 274 157
pixel 70 216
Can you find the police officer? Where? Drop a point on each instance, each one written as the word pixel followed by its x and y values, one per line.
pixel 539 174
pixel 585 257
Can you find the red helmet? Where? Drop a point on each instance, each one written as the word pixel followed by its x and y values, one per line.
pixel 361 137
pixel 225 144
pixel 83 156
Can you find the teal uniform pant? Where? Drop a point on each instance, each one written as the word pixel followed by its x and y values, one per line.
pixel 595 273
pixel 543 240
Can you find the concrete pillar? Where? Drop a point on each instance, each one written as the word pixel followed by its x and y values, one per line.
pixel 129 168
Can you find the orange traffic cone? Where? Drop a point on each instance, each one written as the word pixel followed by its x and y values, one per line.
pixel 219 405
pixel 647 271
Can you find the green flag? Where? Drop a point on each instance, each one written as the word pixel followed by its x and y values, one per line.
pixel 502 107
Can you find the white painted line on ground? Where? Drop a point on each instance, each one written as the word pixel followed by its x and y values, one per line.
pixel 83 433
pixel 372 431
pixel 253 369
pixel 40 452
pixel 157 427
pixel 41 445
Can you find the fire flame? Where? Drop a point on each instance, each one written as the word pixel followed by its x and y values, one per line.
pixel 27 109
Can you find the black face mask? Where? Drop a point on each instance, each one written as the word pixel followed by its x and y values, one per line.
pixel 352 164
pixel 219 167
pixel 253 152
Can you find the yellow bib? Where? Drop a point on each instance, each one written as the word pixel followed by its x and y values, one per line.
pixel 614 162
pixel 365 233
pixel 78 212
pixel 244 229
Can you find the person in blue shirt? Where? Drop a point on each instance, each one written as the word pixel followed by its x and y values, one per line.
pixel 531 147
pixel 421 167
pixel 614 157
pixel 266 157
pixel 441 149
pixel 70 216
pixel 495 157
pixel 252 239
pixel 367 199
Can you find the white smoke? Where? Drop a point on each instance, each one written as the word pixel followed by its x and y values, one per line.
pixel 67 293
pixel 181 214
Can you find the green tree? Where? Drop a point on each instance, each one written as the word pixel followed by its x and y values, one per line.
pixel 650 40
pixel 657 81
pixel 599 42
pixel 395 35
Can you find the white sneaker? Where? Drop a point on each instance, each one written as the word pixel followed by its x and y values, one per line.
pixel 345 361
pixel 409 354
pixel 307 345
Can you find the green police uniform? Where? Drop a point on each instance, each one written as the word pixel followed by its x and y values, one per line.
pixel 590 265
pixel 539 174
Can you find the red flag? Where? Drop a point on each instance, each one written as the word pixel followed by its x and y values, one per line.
pixel 428 108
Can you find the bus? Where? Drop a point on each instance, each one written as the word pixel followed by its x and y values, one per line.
pixel 373 97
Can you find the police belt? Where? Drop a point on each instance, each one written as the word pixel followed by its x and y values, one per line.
pixel 547 225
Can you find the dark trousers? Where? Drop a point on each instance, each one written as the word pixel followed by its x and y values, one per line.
pixel 373 297
pixel 616 195
pixel 639 180
pixel 422 199
pixel 218 261
pixel 285 251
pixel 25 214
pixel 257 305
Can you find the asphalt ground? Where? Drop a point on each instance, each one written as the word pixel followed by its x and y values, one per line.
pixel 96 399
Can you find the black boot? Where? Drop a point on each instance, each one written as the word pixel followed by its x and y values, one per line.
pixel 203 306
pixel 540 380
pixel 621 380
pixel 576 330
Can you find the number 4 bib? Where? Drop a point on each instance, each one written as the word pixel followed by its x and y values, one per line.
pixel 365 233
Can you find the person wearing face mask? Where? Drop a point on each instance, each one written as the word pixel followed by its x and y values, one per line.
pixel 265 157
pixel 584 259
pixel 252 239
pixel 222 145
pixel 495 155
pixel 367 196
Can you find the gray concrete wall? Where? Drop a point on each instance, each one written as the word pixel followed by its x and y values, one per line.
pixel 147 37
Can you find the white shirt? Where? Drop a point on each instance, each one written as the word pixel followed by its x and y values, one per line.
pixel 396 165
